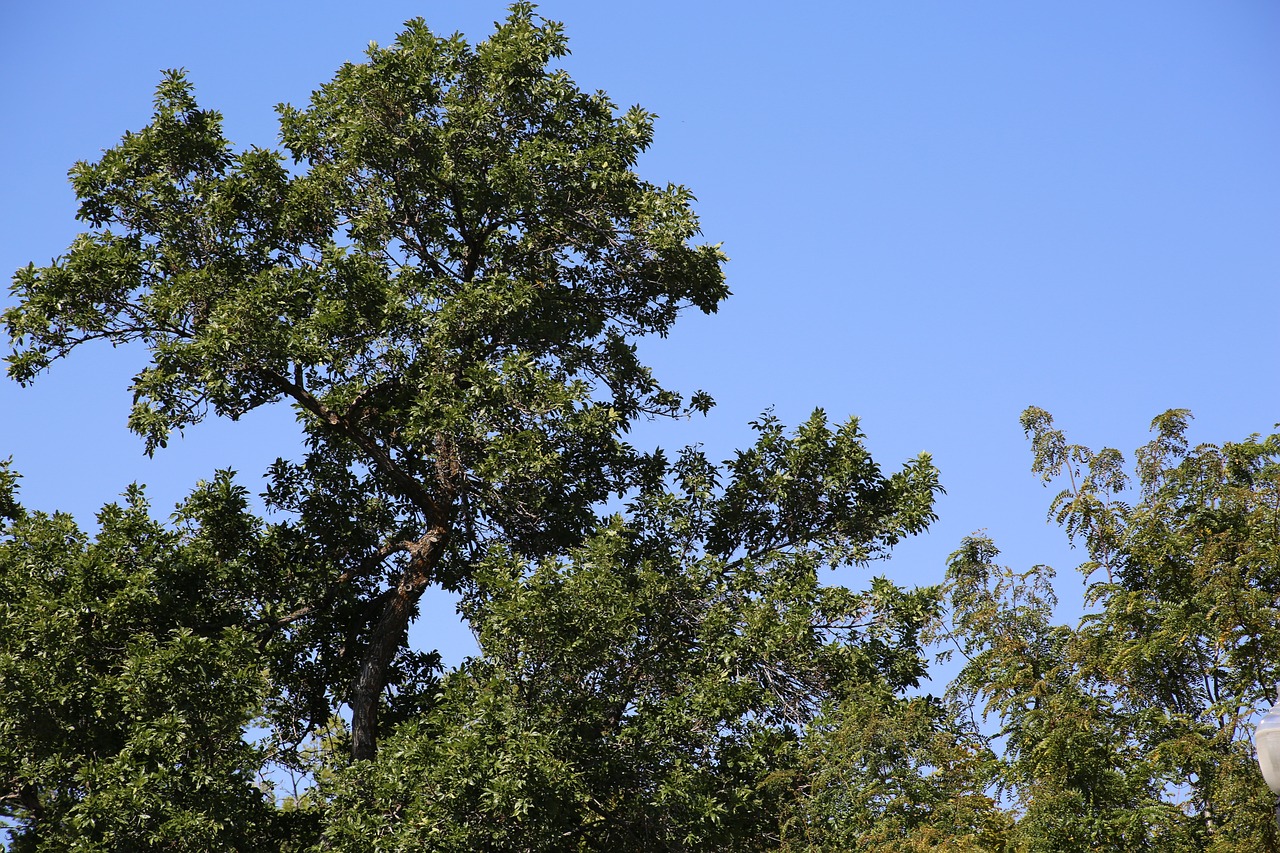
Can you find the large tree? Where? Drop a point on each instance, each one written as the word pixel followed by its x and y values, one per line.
pixel 445 276
pixel 446 284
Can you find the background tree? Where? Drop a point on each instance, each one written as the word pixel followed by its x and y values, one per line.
pixel 446 285
pixel 1132 730
pixel 128 677
pixel 1067 766
pixel 881 772
pixel 1185 636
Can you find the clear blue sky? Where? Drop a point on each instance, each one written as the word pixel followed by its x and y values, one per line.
pixel 937 214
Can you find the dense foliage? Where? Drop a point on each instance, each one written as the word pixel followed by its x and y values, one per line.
pixel 445 273
pixel 1131 731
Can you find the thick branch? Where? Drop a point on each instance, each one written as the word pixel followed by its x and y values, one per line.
pixel 408 486
pixel 387 637
pixel 367 566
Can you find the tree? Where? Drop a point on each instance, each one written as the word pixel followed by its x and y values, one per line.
pixel 651 689
pixel 886 773
pixel 1132 730
pixel 445 273
pixel 446 286
pixel 128 676
pixel 1066 758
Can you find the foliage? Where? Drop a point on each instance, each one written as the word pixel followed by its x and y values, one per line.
pixel 445 273
pixel 1132 730
pixel 446 287
pixel 127 679
pixel 892 774
pixel 649 690
pixel 446 284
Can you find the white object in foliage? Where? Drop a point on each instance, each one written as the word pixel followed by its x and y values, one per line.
pixel 1267 740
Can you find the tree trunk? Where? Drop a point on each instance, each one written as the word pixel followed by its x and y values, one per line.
pixel 386 639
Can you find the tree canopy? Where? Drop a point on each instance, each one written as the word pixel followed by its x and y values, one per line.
pixel 1131 730
pixel 445 271
pixel 447 285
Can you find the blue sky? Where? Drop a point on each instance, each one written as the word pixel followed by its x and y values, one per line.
pixel 937 214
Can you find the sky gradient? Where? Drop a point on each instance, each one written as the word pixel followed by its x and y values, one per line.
pixel 936 215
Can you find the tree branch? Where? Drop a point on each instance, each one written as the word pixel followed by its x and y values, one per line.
pixel 410 488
